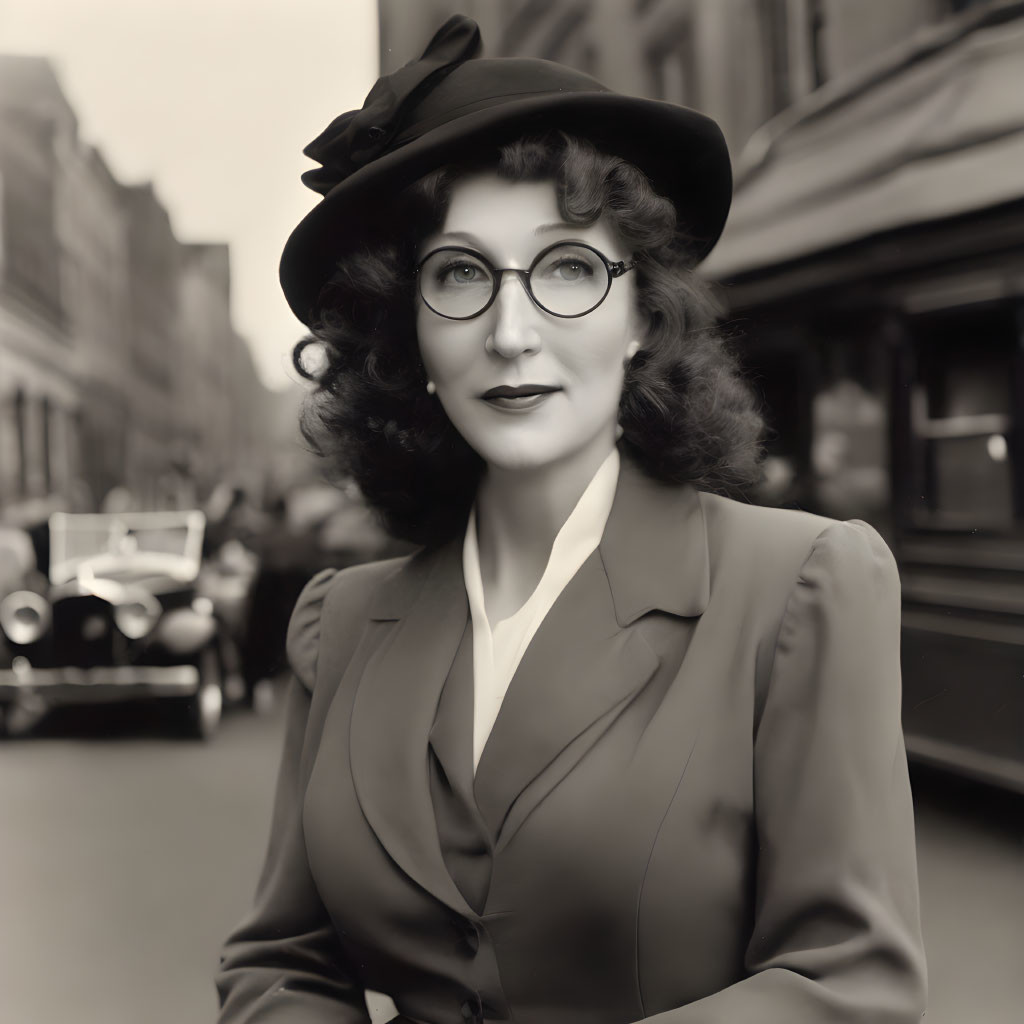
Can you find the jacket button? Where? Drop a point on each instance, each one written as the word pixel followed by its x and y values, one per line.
pixel 472 939
pixel 471 1012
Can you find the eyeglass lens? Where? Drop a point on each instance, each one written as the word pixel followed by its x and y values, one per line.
pixel 567 280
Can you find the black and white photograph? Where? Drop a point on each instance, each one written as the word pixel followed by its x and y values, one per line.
pixel 512 511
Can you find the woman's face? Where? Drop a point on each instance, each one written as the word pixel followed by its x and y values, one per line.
pixel 568 372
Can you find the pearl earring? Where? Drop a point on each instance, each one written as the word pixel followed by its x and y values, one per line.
pixel 431 388
pixel 631 350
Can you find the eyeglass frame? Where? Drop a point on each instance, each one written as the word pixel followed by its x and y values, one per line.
pixel 614 268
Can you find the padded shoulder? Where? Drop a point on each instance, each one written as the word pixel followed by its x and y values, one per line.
pixel 304 627
pixel 759 537
pixel 348 593
pixel 850 556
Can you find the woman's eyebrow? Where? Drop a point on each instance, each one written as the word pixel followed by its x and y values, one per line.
pixel 461 236
pixel 557 226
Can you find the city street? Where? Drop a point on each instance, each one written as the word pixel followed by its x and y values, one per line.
pixel 125 858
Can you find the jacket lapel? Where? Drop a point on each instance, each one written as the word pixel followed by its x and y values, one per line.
pixel 655 548
pixel 580 667
pixel 584 665
pixel 394 710
pixel 588 660
pixel 451 735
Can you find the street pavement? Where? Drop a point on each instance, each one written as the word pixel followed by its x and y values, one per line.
pixel 124 860
pixel 126 855
pixel 970 853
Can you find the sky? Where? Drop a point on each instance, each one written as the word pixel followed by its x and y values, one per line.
pixel 212 101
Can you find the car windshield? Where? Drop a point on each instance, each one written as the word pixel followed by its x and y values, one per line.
pixel 126 546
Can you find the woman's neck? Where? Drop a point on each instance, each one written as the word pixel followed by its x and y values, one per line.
pixel 518 516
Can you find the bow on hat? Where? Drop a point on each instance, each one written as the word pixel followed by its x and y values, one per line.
pixel 355 138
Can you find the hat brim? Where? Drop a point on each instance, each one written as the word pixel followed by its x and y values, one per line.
pixel 681 151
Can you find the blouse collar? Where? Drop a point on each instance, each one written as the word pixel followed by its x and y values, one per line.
pixel 579 536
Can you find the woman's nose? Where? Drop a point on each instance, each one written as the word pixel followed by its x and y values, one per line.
pixel 515 330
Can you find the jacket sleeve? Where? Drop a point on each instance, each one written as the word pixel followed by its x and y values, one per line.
pixel 836 934
pixel 283 964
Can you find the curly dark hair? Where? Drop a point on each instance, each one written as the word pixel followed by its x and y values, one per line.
pixel 686 413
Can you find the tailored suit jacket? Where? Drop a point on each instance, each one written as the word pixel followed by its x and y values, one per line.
pixel 695 793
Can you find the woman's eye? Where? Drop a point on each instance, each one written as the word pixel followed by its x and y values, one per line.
pixel 460 273
pixel 572 270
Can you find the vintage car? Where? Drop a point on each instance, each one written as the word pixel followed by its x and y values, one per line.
pixel 120 620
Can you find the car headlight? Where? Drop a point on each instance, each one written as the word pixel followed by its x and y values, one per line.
pixel 24 616
pixel 137 614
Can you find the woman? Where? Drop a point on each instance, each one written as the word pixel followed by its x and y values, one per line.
pixel 612 745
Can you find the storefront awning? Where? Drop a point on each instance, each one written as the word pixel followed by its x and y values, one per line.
pixel 937 133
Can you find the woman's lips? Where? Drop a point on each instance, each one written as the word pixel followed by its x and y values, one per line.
pixel 518 399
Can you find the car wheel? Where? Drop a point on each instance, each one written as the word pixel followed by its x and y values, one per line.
pixel 20 717
pixel 206 705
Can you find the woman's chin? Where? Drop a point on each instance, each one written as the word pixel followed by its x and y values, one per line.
pixel 541 454
pixel 521 460
pixel 515 446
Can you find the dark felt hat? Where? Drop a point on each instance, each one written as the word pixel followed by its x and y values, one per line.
pixel 450 104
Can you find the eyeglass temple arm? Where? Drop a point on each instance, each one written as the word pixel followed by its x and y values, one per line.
pixel 621 267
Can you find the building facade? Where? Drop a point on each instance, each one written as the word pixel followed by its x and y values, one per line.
pixel 685 51
pixel 740 61
pixel 120 369
pixel 876 251
pixel 38 394
pixel 96 280
pixel 205 377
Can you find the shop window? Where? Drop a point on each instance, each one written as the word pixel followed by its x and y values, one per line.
pixel 961 417
pixel 10 449
pixel 21 433
pixel 46 414
pixel 850 451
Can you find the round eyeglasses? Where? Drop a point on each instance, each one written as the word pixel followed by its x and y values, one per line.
pixel 567 279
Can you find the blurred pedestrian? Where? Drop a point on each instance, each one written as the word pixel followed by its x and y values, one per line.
pixel 17 560
pixel 613 744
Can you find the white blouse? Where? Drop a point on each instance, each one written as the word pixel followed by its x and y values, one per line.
pixel 498 649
